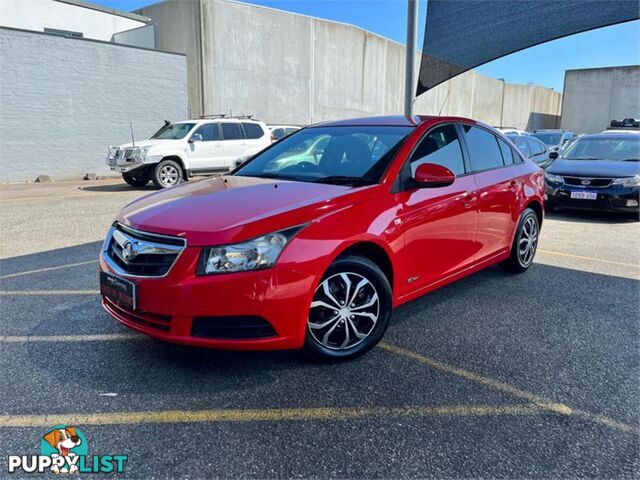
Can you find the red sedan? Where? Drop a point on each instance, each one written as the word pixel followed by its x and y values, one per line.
pixel 311 243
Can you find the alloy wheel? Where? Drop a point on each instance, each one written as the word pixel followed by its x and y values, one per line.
pixel 528 241
pixel 169 175
pixel 344 311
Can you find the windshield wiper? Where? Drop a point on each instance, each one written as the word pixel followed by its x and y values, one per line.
pixel 584 158
pixel 631 160
pixel 274 176
pixel 344 180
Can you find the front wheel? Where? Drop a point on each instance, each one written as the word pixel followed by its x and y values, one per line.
pixel 167 174
pixel 525 243
pixel 350 310
pixel 136 178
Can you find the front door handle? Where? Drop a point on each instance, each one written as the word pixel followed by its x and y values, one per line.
pixel 469 200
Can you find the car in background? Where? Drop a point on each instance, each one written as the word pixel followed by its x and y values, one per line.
pixel 598 172
pixel 532 148
pixel 512 131
pixel 281 131
pixel 554 139
pixel 316 253
pixel 177 151
pixel 625 123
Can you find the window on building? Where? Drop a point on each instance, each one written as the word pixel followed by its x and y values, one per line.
pixel 63 33
pixel 441 146
pixel 483 148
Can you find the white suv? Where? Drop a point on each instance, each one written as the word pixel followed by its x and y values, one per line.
pixel 180 150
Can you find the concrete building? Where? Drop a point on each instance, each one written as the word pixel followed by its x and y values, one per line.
pixel 65 98
pixel 78 19
pixel 595 96
pixel 293 69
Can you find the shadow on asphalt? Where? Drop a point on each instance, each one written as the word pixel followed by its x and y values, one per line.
pixel 119 187
pixel 587 216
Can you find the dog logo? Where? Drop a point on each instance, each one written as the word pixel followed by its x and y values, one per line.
pixel 63 449
pixel 65 442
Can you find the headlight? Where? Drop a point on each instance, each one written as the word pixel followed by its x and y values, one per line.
pixel 144 151
pixel 627 181
pixel 553 178
pixel 256 254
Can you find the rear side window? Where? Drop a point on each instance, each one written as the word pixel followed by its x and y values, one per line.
pixel 522 144
pixel 441 146
pixel 507 153
pixel 231 131
pixel 253 130
pixel 483 148
pixel 278 133
pixel 209 132
pixel 536 146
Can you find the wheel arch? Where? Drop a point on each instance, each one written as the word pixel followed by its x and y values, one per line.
pixel 536 206
pixel 374 252
pixel 181 162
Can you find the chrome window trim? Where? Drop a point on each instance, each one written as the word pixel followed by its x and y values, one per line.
pixel 118 229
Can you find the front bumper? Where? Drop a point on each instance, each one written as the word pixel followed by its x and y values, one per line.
pixel 118 165
pixel 615 199
pixel 175 307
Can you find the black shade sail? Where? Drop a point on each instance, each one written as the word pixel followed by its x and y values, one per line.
pixel 462 34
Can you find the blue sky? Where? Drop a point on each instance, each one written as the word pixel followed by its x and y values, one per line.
pixel 542 65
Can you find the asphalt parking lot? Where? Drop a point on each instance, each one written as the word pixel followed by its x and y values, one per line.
pixel 495 376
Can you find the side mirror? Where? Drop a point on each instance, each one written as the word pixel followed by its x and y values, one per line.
pixel 196 137
pixel 553 155
pixel 431 175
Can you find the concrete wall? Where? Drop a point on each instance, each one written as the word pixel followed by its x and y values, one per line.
pixel 495 102
pixel 63 101
pixel 293 69
pixel 595 96
pixel 40 14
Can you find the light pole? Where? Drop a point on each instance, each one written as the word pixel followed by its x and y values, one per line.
pixel 410 71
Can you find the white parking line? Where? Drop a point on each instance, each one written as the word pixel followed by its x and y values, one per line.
pixel 47 269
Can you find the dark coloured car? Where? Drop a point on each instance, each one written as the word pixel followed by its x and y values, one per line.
pixel 533 149
pixel 597 172
pixel 554 139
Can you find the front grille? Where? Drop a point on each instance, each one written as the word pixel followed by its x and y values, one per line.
pixel 128 152
pixel 143 318
pixel 588 182
pixel 232 328
pixel 144 254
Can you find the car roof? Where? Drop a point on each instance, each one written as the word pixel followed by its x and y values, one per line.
pixel 393 121
pixel 609 136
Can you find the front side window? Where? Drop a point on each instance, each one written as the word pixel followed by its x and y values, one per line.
pixel 253 130
pixel 209 132
pixel 231 131
pixel 441 146
pixel 483 148
pixel 175 131
pixel 351 155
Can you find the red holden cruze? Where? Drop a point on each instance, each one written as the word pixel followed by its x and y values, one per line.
pixel 312 242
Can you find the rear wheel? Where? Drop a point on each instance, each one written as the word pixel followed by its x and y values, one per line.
pixel 350 310
pixel 136 178
pixel 167 174
pixel 525 243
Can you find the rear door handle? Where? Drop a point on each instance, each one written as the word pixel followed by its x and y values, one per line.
pixel 513 185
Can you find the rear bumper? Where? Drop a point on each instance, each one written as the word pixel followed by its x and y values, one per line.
pixel 617 199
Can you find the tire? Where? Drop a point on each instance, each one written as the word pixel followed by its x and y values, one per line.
pixel 136 178
pixel 333 334
pixel 527 234
pixel 167 174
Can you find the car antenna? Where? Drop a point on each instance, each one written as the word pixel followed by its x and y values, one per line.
pixel 443 103
pixel 133 142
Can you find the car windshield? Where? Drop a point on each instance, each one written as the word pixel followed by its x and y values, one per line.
pixel 604 149
pixel 356 155
pixel 550 139
pixel 175 131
